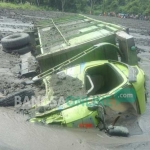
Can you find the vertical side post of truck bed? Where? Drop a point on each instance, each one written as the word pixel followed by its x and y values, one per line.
pixel 127 46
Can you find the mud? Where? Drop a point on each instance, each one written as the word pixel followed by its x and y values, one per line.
pixel 67 86
pixel 31 16
pixel 17 134
pixel 9 26
pixel 10 80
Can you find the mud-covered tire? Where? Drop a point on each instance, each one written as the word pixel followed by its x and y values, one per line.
pixel 22 50
pixel 10 100
pixel 16 40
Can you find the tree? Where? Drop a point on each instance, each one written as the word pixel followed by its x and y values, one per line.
pixel 114 5
pixel 63 4
pixel 37 1
pixel 92 6
pixel 91 3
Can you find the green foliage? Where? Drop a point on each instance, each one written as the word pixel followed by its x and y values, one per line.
pixel 82 6
pixel 19 6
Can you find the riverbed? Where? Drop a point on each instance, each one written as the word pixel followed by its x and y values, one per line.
pixel 16 133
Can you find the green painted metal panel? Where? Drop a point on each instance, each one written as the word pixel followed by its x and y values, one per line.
pixel 88 29
pixel 104 53
pixel 68 37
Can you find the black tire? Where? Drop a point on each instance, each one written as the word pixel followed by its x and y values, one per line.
pixel 22 50
pixel 16 40
pixel 10 100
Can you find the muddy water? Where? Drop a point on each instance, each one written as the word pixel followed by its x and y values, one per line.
pixel 18 134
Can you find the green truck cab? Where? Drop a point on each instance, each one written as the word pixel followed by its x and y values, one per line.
pixel 102 57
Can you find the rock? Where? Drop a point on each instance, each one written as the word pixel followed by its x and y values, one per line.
pixel 1 36
pixel 42 92
pixel 6 92
pixel 1 95
pixel 22 86
pixel 12 14
pixel 61 75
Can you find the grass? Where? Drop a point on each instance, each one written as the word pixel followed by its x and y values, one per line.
pixel 25 6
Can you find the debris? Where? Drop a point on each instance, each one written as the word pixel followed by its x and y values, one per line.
pixel 16 98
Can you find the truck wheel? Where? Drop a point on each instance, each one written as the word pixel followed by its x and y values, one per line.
pixel 10 100
pixel 16 40
pixel 22 50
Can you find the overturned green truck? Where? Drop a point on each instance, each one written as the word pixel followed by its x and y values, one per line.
pixel 98 60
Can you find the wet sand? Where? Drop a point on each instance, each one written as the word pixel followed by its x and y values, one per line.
pixel 18 134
